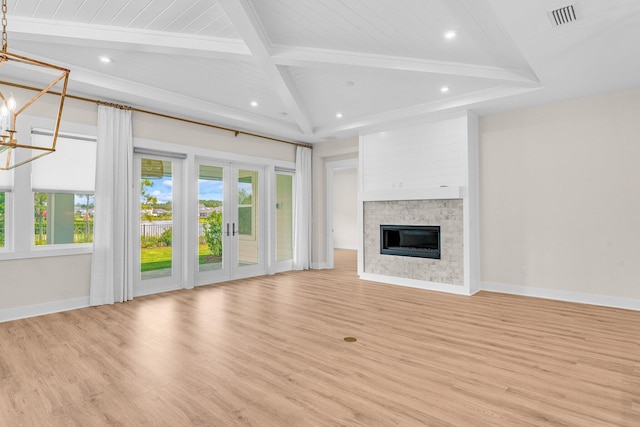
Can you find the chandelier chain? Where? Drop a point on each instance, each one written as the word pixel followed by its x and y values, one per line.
pixel 4 25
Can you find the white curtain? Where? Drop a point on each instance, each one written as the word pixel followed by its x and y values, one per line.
pixel 111 268
pixel 302 210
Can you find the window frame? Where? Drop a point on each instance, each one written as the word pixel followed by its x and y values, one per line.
pixel 8 212
pixel 292 174
pixel 55 223
pixel 253 206
pixel 19 211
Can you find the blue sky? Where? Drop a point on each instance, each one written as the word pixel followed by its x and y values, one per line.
pixel 209 189
pixel 162 189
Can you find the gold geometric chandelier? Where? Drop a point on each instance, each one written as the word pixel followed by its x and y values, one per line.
pixel 54 81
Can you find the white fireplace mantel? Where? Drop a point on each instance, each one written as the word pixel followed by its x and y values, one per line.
pixel 434 161
pixel 431 193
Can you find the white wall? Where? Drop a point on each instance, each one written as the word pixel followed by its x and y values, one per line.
pixel 560 198
pixel 160 129
pixel 61 282
pixel 50 283
pixel 416 157
pixel 345 208
pixel 322 153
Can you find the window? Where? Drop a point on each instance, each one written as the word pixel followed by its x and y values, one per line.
pixel 210 217
pixel 157 219
pixel 284 216
pixel 6 184
pixel 247 182
pixel 62 218
pixel 2 210
pixel 46 206
pixel 63 184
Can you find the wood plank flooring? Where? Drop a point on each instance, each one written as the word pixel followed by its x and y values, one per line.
pixel 269 351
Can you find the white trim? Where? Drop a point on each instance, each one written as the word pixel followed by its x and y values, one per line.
pixel 320 266
pixel 274 266
pixel 307 56
pixel 150 152
pixel 562 295
pixel 360 187
pixel 142 287
pixel 351 247
pixel 330 169
pixel 49 251
pixel 19 219
pixel 68 135
pixel 433 193
pixel 281 266
pixel 207 154
pixel 420 284
pixel 471 207
pixel 142 291
pixel 25 311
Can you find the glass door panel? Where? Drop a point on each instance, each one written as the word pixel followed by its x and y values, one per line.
pixel 210 218
pixel 157 225
pixel 158 252
pixel 156 219
pixel 284 217
pixel 229 229
pixel 247 228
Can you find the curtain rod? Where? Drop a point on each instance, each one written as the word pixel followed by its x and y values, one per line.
pixel 236 132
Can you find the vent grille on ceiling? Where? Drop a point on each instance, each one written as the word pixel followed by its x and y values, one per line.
pixel 564 15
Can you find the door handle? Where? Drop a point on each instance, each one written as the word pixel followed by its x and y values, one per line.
pixel 234 228
pixel 227 229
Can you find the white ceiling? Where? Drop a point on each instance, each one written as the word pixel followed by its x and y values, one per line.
pixel 378 62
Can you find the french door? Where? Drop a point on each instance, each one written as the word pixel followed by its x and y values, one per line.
pixel 231 226
pixel 157 228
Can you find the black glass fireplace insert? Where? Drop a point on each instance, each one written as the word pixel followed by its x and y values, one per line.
pixel 421 241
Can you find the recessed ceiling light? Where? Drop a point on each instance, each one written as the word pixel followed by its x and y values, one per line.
pixel 105 59
pixel 254 103
pixel 339 115
pixel 444 89
pixel 449 35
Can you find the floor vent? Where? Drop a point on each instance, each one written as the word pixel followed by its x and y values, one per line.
pixel 564 15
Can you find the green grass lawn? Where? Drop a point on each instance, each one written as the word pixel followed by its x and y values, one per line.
pixel 160 258
pixel 155 258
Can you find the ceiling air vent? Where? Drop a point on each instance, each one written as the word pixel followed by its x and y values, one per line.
pixel 564 15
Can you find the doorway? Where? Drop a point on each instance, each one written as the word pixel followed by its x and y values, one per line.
pixel 231 226
pixel 342 207
pixel 157 226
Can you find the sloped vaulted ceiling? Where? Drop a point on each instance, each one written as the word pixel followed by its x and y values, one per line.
pixel 375 63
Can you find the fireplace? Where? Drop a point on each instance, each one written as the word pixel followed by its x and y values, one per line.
pixel 422 241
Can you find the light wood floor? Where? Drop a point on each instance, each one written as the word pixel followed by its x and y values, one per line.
pixel 269 351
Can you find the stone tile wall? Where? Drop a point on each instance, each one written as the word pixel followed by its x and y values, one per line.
pixel 446 213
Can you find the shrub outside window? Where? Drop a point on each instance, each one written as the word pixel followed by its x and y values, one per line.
pixel 2 218
pixel 63 183
pixel 62 218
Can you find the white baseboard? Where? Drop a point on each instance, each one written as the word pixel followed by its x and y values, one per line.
pixel 319 265
pixel 350 247
pixel 569 296
pixel 420 284
pixel 25 311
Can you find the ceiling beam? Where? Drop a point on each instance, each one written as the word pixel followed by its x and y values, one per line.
pixel 122 91
pixel 248 25
pixel 463 102
pixel 70 33
pixel 312 57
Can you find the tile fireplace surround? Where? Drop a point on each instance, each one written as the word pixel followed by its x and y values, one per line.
pixel 446 213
